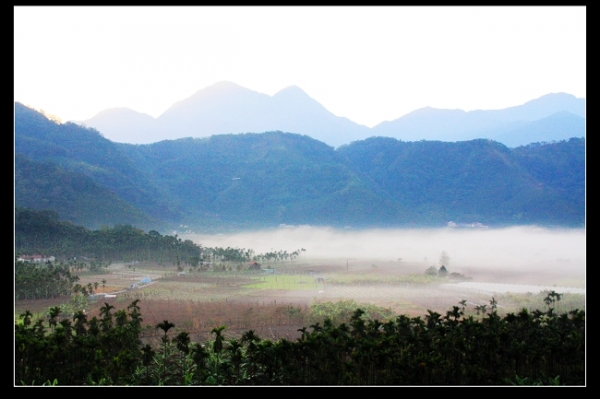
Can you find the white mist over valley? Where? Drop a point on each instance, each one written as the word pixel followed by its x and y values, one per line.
pixel 518 255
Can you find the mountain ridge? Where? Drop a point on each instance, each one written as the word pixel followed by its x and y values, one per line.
pixel 262 180
pixel 226 107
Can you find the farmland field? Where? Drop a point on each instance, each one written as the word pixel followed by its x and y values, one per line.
pixel 276 305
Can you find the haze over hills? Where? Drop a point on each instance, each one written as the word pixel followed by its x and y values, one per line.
pixel 258 180
pixel 119 123
pixel 512 126
pixel 228 108
pixel 552 128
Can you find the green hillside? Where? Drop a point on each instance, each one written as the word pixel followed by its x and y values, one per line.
pixel 74 196
pixel 258 180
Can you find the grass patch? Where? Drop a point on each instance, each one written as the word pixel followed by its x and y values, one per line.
pixel 284 282
pixel 403 306
pixel 354 279
pixel 513 302
pixel 342 311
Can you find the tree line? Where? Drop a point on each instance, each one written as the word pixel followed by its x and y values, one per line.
pixel 46 281
pixel 43 232
pixel 538 347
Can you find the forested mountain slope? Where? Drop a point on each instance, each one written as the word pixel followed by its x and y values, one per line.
pixel 253 180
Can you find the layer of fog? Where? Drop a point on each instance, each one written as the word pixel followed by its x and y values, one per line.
pixel 492 288
pixel 511 250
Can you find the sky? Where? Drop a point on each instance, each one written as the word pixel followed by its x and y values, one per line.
pixel 369 64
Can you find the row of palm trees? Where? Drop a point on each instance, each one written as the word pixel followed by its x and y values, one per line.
pixel 229 254
pixel 450 349
pixel 78 351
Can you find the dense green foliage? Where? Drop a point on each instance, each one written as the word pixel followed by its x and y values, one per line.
pixel 558 170
pixel 43 232
pixel 35 281
pixel 341 311
pixel 74 196
pixel 263 180
pixel 86 152
pixel 478 180
pixel 253 180
pixel 79 351
pixel 519 348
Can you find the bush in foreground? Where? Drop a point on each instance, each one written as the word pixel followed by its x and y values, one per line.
pixel 524 348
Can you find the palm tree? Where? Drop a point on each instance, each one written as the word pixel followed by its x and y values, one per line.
pixel 105 310
pixel 235 354
pixel 54 313
pixel 183 341
pixel 551 298
pixel 303 331
pixel 165 326
pixel 39 327
pixel 480 309
pixel 77 288
pixel 493 304
pixel 121 317
pixel 136 319
pixel 26 318
pixel 80 322
pixel 133 306
pixel 67 328
pixel 107 316
pixel 218 346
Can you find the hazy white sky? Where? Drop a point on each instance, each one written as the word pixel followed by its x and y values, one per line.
pixel 368 64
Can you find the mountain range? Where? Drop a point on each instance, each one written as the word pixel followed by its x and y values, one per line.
pixel 228 108
pixel 258 180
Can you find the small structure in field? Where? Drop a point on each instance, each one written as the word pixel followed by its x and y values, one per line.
pixel 253 265
pixel 143 281
pixel 36 258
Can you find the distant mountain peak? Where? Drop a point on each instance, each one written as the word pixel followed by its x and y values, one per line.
pixel 223 83
pixel 123 111
pixel 290 89
pixel 226 107
pixel 430 111
pixel 293 93
pixel 559 94
pixel 223 86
